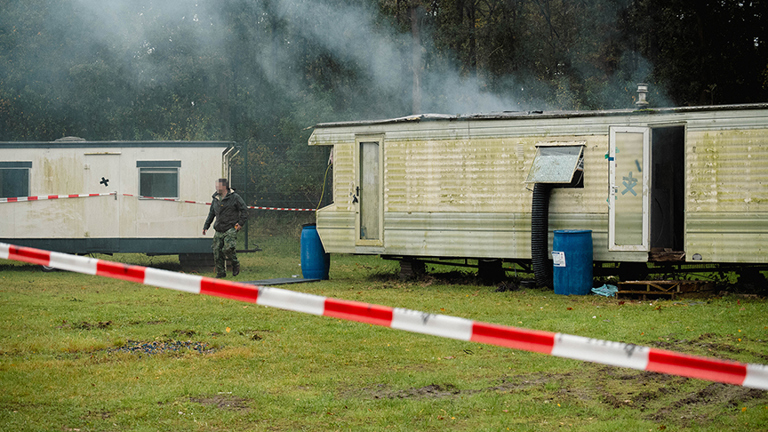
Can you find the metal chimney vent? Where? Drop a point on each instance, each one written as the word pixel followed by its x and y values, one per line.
pixel 642 91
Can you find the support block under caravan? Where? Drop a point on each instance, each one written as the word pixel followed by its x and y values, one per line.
pixel 490 270
pixel 410 269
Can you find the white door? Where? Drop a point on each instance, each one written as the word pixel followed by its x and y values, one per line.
pixel 629 215
pixel 102 215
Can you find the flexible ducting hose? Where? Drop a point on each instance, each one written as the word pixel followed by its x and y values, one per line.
pixel 542 267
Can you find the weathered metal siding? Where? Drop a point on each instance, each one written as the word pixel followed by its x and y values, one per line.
pixel 471 176
pixel 727 195
pixel 343 176
pixel 466 197
pixel 454 188
pixel 486 235
pixel 485 176
pixel 336 229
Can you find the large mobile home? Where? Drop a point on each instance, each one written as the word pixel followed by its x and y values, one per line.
pixel 693 181
pixel 122 222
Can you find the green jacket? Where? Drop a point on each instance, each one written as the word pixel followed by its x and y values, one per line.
pixel 228 211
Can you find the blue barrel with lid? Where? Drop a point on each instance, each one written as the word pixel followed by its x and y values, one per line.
pixel 572 260
pixel 315 262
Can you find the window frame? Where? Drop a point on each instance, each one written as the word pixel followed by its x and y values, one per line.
pixel 613 189
pixel 159 167
pixel 19 166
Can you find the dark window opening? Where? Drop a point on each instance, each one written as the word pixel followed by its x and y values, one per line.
pixel 159 182
pixel 14 182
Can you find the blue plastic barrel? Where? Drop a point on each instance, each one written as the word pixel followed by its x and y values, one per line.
pixel 315 263
pixel 572 258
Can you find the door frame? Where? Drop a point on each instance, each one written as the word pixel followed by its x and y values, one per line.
pixel 682 124
pixel 103 164
pixel 359 139
pixel 613 189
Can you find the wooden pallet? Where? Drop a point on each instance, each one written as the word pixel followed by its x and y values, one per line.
pixel 671 288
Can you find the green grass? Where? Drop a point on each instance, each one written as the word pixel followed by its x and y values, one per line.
pixel 65 364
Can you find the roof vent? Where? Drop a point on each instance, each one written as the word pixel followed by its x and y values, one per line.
pixel 70 139
pixel 642 91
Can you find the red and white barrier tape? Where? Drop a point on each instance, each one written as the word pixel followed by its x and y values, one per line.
pixel 53 197
pixel 207 203
pixel 556 344
pixel 166 199
pixel 281 208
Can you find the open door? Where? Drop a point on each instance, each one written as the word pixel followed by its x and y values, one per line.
pixel 369 192
pixel 667 192
pixel 629 215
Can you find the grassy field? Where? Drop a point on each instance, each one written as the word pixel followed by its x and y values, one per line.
pixel 80 353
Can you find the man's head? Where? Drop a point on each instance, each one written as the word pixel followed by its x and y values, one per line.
pixel 222 186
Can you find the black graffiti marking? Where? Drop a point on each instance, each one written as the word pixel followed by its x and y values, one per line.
pixel 630 349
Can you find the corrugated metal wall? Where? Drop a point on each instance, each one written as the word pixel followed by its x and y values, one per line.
pixel 727 195
pixel 466 198
pixel 455 188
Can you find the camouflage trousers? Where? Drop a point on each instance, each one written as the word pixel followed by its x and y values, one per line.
pixel 224 248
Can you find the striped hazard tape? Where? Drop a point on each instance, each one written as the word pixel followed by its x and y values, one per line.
pixel 556 344
pixel 208 203
pixel 166 199
pixel 53 197
pixel 281 208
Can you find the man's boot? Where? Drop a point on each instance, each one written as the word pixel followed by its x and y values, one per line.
pixel 235 269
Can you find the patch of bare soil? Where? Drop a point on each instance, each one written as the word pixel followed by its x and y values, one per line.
pixel 85 325
pixel 711 342
pixel 430 391
pixel 446 390
pixel 719 395
pixel 223 401
pixel 100 414
pixel 637 389
pixel 167 346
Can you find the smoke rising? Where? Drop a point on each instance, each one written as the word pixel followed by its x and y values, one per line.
pixel 226 66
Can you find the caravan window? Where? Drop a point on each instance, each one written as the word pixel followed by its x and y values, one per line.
pixel 159 179
pixel 14 179
pixel 558 164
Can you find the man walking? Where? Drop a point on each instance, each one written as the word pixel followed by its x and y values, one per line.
pixel 230 213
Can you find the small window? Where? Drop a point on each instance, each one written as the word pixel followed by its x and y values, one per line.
pixel 558 164
pixel 159 179
pixel 14 179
